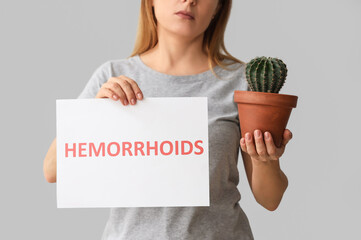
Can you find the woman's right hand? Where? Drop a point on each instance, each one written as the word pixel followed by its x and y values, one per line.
pixel 121 88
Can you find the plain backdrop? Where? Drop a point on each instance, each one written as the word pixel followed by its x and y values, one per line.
pixel 49 49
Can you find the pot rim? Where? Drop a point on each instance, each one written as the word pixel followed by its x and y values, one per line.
pixel 263 98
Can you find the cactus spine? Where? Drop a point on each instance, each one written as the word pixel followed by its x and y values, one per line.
pixel 266 74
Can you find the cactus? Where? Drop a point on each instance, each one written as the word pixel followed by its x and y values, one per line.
pixel 266 74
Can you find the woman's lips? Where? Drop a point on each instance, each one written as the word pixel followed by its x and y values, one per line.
pixel 185 16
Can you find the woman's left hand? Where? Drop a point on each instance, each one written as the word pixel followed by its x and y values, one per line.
pixel 265 150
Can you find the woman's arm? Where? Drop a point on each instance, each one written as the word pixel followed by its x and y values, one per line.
pixel 261 160
pixel 49 167
pixel 267 181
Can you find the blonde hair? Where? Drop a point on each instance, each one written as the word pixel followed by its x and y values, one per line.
pixel 213 41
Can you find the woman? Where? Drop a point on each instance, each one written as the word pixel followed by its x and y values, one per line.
pixel 178 54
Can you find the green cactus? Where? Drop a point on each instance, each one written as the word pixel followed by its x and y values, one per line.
pixel 266 74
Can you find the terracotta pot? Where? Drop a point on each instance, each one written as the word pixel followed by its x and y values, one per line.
pixel 264 111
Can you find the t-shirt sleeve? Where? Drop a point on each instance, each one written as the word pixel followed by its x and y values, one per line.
pixel 99 76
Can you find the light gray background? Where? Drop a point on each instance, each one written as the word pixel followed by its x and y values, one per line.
pixel 49 49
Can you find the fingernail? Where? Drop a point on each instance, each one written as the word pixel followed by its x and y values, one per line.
pixel 114 96
pixel 266 135
pixel 139 96
pixel 258 133
pixel 133 101
pixel 248 137
pixel 125 102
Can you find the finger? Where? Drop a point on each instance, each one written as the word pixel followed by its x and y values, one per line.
pixel 287 135
pixel 250 146
pixel 243 145
pixel 135 86
pixel 127 88
pixel 271 146
pixel 114 86
pixel 105 93
pixel 260 146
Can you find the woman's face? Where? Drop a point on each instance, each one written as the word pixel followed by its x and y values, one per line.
pixel 202 10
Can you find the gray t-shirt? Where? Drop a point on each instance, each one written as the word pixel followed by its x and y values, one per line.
pixel 224 219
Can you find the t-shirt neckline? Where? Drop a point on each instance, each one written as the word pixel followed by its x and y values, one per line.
pixel 168 76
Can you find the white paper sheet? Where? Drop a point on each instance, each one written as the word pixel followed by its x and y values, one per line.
pixel 103 159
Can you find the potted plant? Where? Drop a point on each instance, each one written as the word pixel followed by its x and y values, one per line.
pixel 263 107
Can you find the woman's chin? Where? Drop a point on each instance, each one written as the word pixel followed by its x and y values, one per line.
pixel 185 33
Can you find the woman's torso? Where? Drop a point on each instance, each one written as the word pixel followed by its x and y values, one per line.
pixel 224 219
